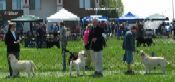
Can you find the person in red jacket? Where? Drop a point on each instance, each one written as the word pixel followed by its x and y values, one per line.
pixel 87 43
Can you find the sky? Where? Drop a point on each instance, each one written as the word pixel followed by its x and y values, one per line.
pixel 144 8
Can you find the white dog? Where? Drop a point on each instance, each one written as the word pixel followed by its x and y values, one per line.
pixel 151 62
pixel 21 65
pixel 77 60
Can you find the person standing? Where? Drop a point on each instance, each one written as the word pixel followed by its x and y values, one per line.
pixel 63 43
pixel 87 43
pixel 12 41
pixel 98 42
pixel 40 36
pixel 129 47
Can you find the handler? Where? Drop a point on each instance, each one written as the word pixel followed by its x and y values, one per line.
pixel 12 41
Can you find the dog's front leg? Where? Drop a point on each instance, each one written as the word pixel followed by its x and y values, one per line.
pixel 147 70
pixel 29 74
pixel 70 68
pixel 33 72
pixel 78 69
pixel 14 72
pixel 163 69
pixel 84 70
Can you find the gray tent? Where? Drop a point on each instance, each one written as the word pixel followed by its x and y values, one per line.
pixel 27 18
pixel 157 17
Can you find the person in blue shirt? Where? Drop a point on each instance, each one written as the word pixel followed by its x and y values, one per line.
pixel 129 47
pixel 63 43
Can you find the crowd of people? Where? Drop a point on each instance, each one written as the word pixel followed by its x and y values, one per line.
pixel 94 39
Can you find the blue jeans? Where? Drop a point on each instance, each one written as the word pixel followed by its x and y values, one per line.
pixel 129 57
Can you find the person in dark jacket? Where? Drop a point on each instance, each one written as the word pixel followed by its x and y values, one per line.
pixel 40 36
pixel 97 45
pixel 12 42
pixel 129 47
pixel 63 43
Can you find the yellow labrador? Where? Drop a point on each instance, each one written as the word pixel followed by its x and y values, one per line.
pixel 21 65
pixel 151 62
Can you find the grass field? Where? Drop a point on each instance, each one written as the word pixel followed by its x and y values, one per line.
pixel 49 65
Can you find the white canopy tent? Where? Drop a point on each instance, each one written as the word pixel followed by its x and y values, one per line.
pixel 157 17
pixel 63 15
pixel 60 16
pixel 152 24
pixel 154 21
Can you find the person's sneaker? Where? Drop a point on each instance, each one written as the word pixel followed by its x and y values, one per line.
pixel 16 76
pixel 97 74
pixel 129 72
pixel 100 74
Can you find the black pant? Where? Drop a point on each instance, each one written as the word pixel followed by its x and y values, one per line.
pixel 39 42
pixel 16 54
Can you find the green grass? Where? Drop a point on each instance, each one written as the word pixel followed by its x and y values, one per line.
pixel 49 65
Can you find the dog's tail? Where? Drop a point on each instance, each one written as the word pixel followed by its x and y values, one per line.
pixel 33 66
pixel 168 62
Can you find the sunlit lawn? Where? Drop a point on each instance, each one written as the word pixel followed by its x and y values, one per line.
pixel 49 65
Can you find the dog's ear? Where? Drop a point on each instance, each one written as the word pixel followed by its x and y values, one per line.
pixel 142 54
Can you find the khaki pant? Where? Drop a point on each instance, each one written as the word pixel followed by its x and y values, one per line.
pixel 89 58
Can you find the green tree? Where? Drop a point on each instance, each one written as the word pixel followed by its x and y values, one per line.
pixel 111 4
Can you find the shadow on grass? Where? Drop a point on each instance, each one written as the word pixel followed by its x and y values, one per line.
pixel 154 74
pixel 75 76
pixel 19 77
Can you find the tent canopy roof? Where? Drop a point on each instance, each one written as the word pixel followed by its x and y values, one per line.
pixel 27 18
pixel 63 15
pixel 129 17
pixel 157 17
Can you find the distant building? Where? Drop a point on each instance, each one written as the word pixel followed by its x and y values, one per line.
pixel 45 8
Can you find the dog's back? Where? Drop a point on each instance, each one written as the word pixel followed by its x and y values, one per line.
pixel 25 64
pixel 158 60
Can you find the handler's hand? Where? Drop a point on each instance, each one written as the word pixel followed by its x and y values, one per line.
pixel 94 39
